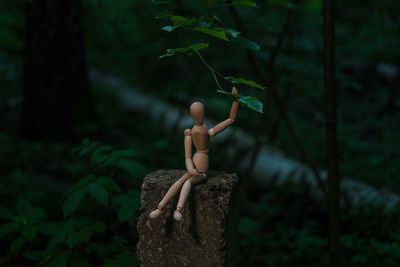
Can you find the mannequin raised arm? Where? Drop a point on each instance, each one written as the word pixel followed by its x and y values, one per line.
pixel 226 123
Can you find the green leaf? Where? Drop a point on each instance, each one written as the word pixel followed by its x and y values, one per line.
pixel 249 83
pixel 72 239
pixel 248 101
pixel 57 238
pixel 98 154
pixel 29 232
pixel 130 153
pixel 243 3
pixel 185 50
pixel 37 215
pixel 131 167
pixel 8 228
pixel 98 193
pixel 180 21
pixel 23 207
pixel 49 228
pixel 198 46
pixel 59 260
pixel 251 102
pixel 99 226
pixel 85 233
pixel 169 28
pixel 233 33
pixel 246 43
pixel 17 244
pixel 248 226
pixel 124 259
pixel 127 212
pixel 87 147
pixel 73 201
pixel 127 206
pixel 82 183
pixel 108 183
pixel 45 259
pixel 215 32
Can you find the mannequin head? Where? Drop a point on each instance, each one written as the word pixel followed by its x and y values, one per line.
pixel 197 112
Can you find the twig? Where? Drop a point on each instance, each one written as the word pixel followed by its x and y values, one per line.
pixel 125 21
pixel 281 109
pixel 213 72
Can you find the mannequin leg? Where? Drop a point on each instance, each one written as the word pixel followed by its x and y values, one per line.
pixel 172 191
pixel 185 191
pixel 187 186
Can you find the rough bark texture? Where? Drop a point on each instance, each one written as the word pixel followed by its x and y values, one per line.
pixel 206 236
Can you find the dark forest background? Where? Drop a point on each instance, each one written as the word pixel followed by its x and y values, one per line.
pixel 73 149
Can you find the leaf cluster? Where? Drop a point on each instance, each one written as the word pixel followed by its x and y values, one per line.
pixel 94 209
pixel 211 26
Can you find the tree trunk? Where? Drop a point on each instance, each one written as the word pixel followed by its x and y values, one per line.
pixel 55 88
pixel 331 134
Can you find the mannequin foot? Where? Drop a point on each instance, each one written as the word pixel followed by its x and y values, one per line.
pixel 155 213
pixel 178 214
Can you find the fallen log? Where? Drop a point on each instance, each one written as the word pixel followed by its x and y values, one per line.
pixel 270 164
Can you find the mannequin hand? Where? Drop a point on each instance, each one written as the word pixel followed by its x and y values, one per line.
pixel 234 92
pixel 193 172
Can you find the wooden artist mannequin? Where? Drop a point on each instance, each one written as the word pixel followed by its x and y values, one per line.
pixel 196 166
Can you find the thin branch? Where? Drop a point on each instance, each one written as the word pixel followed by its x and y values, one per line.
pixel 213 72
pixel 280 105
pixel 127 21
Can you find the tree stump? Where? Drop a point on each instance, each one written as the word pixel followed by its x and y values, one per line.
pixel 206 236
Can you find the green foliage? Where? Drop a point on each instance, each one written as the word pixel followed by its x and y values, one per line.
pixel 185 50
pixel 205 25
pixel 248 101
pixel 124 259
pixel 99 193
pixel 243 3
pixel 246 43
pixel 249 83
pixel 279 225
pixel 251 102
pixel 95 209
pixel 218 33
pixel 202 24
pixel 127 205
pixel 74 200
pixel 23 225
pixel 285 218
pixel 103 156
